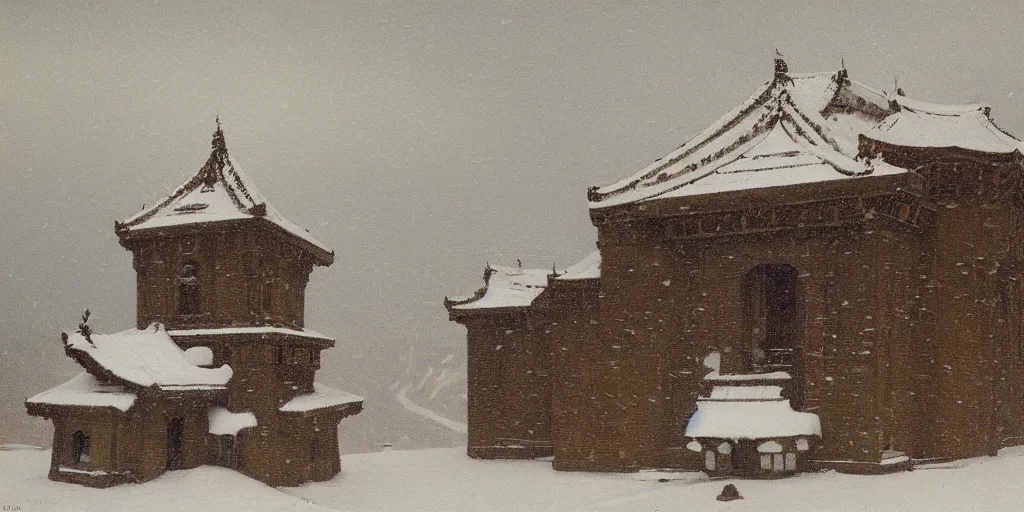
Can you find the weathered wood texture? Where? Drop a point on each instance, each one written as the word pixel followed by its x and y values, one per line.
pixel 908 321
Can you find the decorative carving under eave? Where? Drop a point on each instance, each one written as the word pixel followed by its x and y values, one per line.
pixel 951 173
pixel 904 209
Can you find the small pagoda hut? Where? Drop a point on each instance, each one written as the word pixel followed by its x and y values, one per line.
pixel 744 427
pixel 139 408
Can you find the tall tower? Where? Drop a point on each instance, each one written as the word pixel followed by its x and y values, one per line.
pixel 221 269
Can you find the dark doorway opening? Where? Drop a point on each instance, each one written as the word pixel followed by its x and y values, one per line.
pixel 80 448
pixel 188 289
pixel 175 436
pixel 771 311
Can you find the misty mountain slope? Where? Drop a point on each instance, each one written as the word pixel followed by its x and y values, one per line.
pixel 436 382
pixel 433 381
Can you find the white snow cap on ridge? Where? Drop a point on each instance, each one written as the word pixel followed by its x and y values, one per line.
pixel 146 357
pixel 804 128
pixel 322 397
pixel 517 287
pixel 219 191
pixel 229 331
pixel 506 287
pixel 735 409
pixel 750 419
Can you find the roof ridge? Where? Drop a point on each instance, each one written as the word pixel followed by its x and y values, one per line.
pixel 941 109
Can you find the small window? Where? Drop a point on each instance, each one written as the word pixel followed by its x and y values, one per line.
pixel 80 448
pixel 280 355
pixel 314 356
pixel 709 460
pixel 188 289
pixel 267 296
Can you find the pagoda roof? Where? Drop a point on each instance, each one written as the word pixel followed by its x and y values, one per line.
pixel 142 358
pixel 749 412
pixel 220 191
pixel 587 268
pixel 921 124
pixel 504 287
pixel 804 128
pixel 516 287
pixel 84 391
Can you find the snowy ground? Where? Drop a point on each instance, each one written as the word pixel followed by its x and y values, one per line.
pixel 25 488
pixel 446 480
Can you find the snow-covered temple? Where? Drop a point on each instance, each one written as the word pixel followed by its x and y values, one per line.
pixel 220 367
pixel 852 256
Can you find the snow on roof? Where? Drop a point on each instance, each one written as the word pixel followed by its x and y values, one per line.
pixel 506 287
pixel 225 422
pixel 219 191
pixel 227 331
pixel 803 128
pixel 84 390
pixel 741 377
pixel 746 393
pixel 587 268
pixel 779 128
pixel 920 124
pixel 199 356
pixel 322 397
pixel 749 414
pixel 147 357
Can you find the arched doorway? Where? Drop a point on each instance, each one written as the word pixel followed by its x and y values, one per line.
pixel 175 436
pixel 772 321
pixel 80 448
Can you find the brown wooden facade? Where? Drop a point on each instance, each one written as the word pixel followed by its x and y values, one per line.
pixel 903 330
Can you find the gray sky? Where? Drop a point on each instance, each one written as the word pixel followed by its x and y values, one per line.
pixel 420 140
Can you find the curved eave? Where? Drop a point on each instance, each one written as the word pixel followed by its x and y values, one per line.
pixel 193 337
pixel 896 153
pixel 451 304
pixel 754 197
pixel 46 411
pixel 722 126
pixel 317 249
pixel 126 234
pixel 939 109
pixel 458 313
pixel 343 410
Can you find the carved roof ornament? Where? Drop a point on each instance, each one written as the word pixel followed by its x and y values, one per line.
pixel 218 137
pixel 896 84
pixel 842 76
pixel 781 68
pixel 217 159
